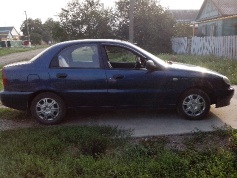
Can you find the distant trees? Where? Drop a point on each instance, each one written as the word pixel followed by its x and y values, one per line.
pixel 153 25
pixel 183 29
pixel 87 19
pixel 40 32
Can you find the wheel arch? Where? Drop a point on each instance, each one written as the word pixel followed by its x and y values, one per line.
pixel 43 91
pixel 205 89
pixel 194 103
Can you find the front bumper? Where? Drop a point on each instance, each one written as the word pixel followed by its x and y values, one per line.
pixel 15 100
pixel 224 97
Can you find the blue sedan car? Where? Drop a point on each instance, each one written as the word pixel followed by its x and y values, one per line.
pixel 109 74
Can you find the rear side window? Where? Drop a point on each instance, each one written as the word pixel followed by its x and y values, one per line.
pixel 79 56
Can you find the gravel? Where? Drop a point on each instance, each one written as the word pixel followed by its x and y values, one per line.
pixel 16 57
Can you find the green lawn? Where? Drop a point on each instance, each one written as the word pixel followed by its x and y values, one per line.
pixel 93 151
pixel 60 151
pixel 1 86
pixel 224 66
pixel 6 51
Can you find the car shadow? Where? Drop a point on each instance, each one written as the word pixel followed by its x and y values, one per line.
pixel 144 122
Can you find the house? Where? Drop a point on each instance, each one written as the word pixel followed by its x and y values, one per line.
pixel 5 35
pixel 185 22
pixel 184 16
pixel 217 18
pixel 8 34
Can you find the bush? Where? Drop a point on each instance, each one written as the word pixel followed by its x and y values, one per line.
pixel 93 151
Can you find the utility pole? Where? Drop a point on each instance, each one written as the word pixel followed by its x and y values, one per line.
pixel 131 20
pixel 27 28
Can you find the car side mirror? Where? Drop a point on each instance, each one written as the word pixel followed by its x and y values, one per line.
pixel 150 65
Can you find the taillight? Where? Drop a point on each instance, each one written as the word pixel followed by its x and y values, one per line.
pixel 4 78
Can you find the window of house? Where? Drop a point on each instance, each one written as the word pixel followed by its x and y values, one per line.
pixel 213 30
pixel 204 30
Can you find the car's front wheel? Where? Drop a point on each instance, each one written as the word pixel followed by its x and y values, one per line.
pixel 194 104
pixel 48 108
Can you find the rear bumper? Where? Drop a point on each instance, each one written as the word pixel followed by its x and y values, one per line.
pixel 15 100
pixel 224 97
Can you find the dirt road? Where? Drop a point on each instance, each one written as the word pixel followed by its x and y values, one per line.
pixel 15 57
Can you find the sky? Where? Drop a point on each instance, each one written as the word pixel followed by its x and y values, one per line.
pixel 12 12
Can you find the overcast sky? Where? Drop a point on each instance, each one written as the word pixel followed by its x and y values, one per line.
pixel 12 11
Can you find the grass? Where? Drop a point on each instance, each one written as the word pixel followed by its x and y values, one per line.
pixel 6 51
pixel 11 114
pixel 224 66
pixel 93 151
pixel 1 85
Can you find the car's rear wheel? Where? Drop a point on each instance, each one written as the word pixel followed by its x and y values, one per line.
pixel 194 104
pixel 48 108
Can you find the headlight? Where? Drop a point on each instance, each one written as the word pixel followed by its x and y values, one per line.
pixel 226 80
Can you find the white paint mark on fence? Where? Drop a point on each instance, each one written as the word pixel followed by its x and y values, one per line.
pixel 225 46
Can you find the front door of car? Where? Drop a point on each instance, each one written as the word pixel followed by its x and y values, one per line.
pixel 129 82
pixel 77 75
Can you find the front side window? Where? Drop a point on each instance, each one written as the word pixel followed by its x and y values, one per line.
pixel 79 56
pixel 119 57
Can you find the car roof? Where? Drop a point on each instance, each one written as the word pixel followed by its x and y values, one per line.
pixel 94 41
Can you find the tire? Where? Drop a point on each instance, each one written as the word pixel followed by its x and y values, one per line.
pixel 48 108
pixel 194 104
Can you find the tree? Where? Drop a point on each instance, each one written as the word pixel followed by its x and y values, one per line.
pixel 39 31
pixel 36 38
pixel 153 25
pixel 53 31
pixel 183 30
pixel 35 30
pixel 58 33
pixel 48 30
pixel 87 19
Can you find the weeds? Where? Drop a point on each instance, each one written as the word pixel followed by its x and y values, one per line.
pixel 6 51
pixel 1 84
pixel 11 114
pixel 227 67
pixel 110 152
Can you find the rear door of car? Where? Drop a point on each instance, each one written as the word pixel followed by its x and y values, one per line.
pixel 77 74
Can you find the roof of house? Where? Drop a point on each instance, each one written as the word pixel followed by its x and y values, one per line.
pixel 6 32
pixel 224 7
pixel 6 28
pixel 184 15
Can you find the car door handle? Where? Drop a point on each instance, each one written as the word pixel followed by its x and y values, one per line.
pixel 118 77
pixel 61 75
